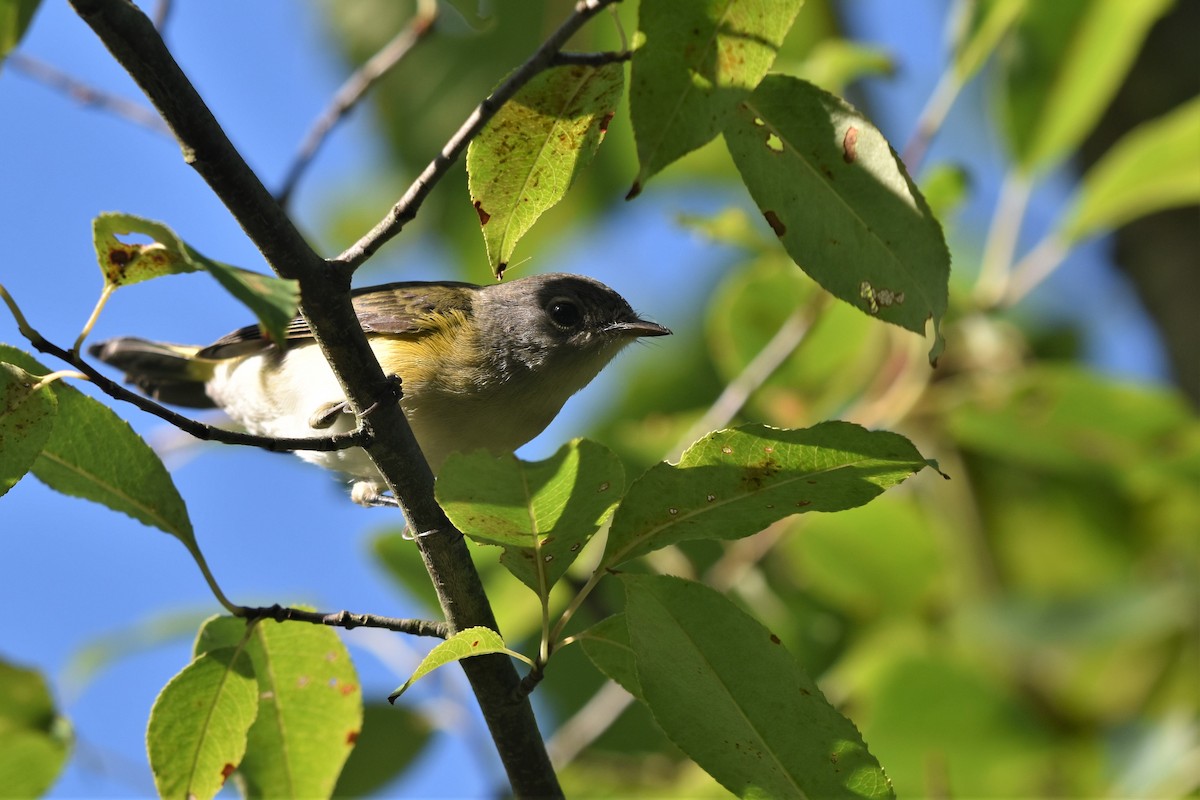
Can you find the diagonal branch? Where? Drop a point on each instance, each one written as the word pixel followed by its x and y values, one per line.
pixel 355 88
pixel 325 303
pixel 87 95
pixel 406 209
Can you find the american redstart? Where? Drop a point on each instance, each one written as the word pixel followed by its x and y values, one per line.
pixel 480 366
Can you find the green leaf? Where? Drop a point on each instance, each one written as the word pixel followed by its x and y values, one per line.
pixel 728 693
pixel 1070 421
pixel 26 421
pixel 734 483
pixel 542 512
pixel 34 739
pixel 94 454
pixel 607 645
pixel 134 639
pixel 310 706
pixel 987 743
pixel 841 203
pixel 15 16
pixel 990 22
pixel 476 641
pixel 391 740
pixel 530 153
pixel 1064 64
pixel 946 188
pixel 272 300
pixel 834 64
pixel 698 60
pixel 197 731
pixel 1155 166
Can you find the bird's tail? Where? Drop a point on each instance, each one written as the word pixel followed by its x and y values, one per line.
pixel 167 372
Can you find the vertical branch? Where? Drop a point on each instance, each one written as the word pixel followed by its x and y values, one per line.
pixel 131 38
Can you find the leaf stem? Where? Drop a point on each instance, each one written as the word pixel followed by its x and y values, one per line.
pixel 101 302
pixel 1001 244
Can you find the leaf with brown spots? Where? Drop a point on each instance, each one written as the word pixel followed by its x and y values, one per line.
pixel 310 705
pixel 734 483
pixel 841 202
pixel 273 300
pixel 530 153
pixel 698 61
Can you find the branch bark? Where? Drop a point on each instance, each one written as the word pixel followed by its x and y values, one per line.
pixel 325 302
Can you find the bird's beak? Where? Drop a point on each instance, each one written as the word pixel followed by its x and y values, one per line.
pixel 639 327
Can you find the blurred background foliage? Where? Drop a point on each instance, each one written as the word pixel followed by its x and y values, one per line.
pixel 1030 627
pixel 1027 628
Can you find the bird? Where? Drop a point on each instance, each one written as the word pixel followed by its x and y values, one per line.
pixel 480 367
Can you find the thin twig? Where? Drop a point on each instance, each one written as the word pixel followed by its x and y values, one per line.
pixel 347 620
pixel 162 12
pixel 1033 268
pixel 208 433
pixel 355 88
pixel 87 95
pixel 997 259
pixel 785 341
pixel 406 209
pixel 599 59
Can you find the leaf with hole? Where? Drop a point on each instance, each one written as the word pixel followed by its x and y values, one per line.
pixel 272 300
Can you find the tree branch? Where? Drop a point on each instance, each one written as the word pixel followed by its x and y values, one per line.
pixel 406 209
pixel 87 95
pixel 355 88
pixel 208 433
pixel 344 619
pixel 325 303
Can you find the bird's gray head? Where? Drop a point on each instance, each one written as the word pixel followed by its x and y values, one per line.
pixel 564 324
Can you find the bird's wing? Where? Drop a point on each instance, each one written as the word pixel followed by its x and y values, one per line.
pixel 410 308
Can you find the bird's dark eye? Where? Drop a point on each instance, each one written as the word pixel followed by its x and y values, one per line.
pixel 564 313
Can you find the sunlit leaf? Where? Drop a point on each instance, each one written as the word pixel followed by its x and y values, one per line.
pixel 834 64
pixel 841 203
pixel 272 300
pixel 1156 166
pixel 542 512
pixel 26 421
pixel 728 693
pixel 464 644
pixel 309 710
pixel 34 738
pixel 989 22
pixel 198 726
pixel 1063 65
pixel 698 60
pixel 734 483
pixel 94 454
pixel 530 153
pixel 393 737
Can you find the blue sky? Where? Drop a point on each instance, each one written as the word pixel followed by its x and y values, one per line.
pixel 275 529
